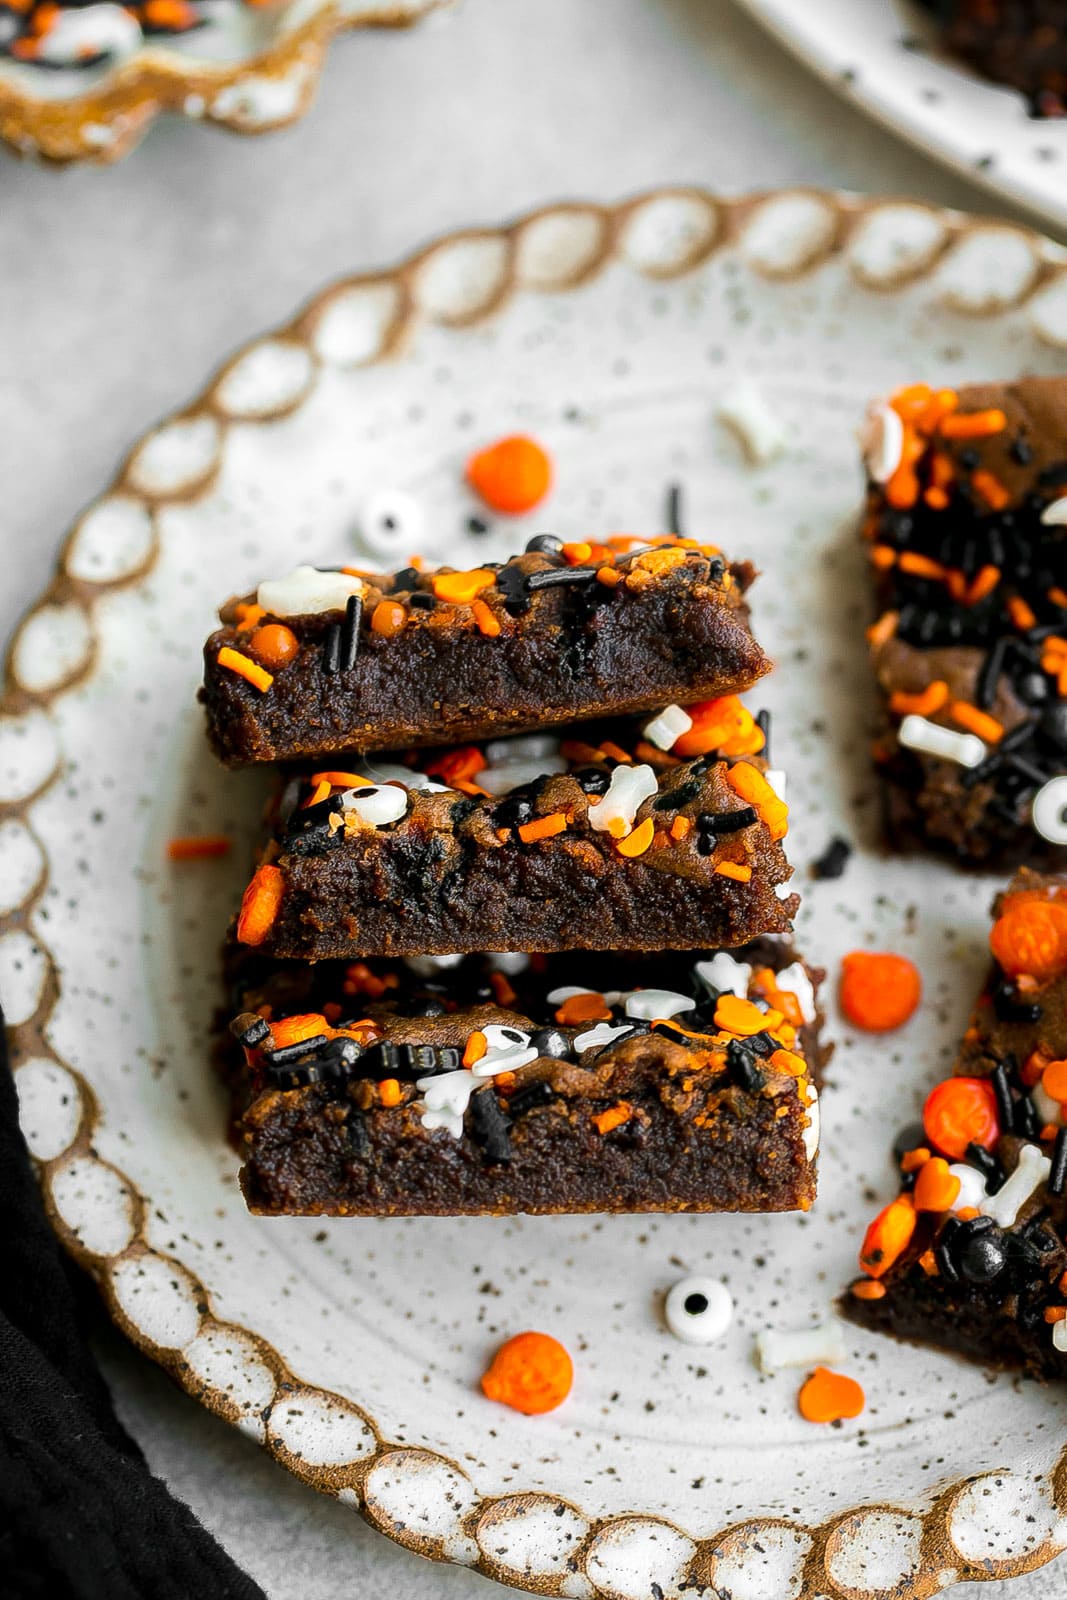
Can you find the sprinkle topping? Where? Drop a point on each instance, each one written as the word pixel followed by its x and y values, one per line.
pixel 306 591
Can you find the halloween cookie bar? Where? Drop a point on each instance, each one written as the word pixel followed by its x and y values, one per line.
pixel 966 533
pixel 512 1083
pixel 970 1256
pixel 1022 43
pixel 322 662
pixel 609 837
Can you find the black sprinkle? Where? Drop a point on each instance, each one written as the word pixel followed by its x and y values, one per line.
pixel 1009 1008
pixel 422 600
pixel 293 1052
pixel 674 509
pixel 989 674
pixel 1057 1178
pixel 763 723
pixel 741 1062
pixel 253 1033
pixel 988 1166
pixel 406 578
pixel 1005 1103
pixel 350 632
pixel 331 650
pixel 489 1126
pixel 727 821
pixel 834 859
pixel 1020 451
pixel 559 577
pixel 674 799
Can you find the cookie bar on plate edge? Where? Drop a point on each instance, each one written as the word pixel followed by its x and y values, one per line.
pixel 970 1256
pixel 617 836
pixel 966 531
pixel 322 662
pixel 515 1083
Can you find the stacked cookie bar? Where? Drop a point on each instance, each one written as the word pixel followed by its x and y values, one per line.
pixel 521 820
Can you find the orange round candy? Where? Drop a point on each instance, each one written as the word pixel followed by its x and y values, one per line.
pixel 959 1112
pixel 879 991
pixel 1030 936
pixel 512 476
pixel 532 1373
pixel 274 646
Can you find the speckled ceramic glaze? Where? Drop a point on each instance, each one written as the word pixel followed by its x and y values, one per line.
pixel 352 1350
pixel 885 55
pixel 251 70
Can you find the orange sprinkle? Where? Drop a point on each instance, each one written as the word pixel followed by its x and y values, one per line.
pixel 460 588
pixel 503 992
pixel 879 991
pixel 975 721
pixel 487 620
pixel 579 1008
pixel 959 1112
pixel 724 725
pixel 575 555
pixel 476 1047
pixel 637 842
pixel 868 1289
pixel 260 905
pixel 911 402
pixel 293 1030
pixel 609 576
pixel 925 704
pixel 245 667
pixel 247 617
pixel 985 581
pixel 888 1236
pixel 542 827
pixel 991 489
pixel 1030 936
pixel 531 1373
pixel 748 782
pixel 617 828
pixel 830 1397
pixel 789 1063
pixel 512 476
pixel 936 499
pixel 680 827
pixel 389 1092
pixel 939 406
pixel 198 847
pixel 1020 613
pixel 320 792
pixel 1054 1081
pixel 735 870
pixel 912 1160
pixel 341 780
pixel 464 762
pixel 883 556
pixel 1055 1313
pixel 880 632
pixel 274 646
pixel 1058 597
pixel 738 1016
pixel 928 1262
pixel 387 618
pixel 920 566
pixel 615 752
pixel 973 424
pixel 936 1188
pixel 613 1117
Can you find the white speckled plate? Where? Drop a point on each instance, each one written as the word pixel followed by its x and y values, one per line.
pixel 352 1350
pixel 251 68
pixel 885 55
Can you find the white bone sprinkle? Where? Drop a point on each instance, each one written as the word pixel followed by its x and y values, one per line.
pixel 1029 1175
pixel 377 805
pixel 972 1186
pixel 1059 1336
pixel 393 772
pixel 795 981
pixel 800 1347
pixel 814 1123
pixel 509 961
pixel 306 591
pixel 507 1050
pixel 603 1033
pixel 668 727
pixel 522 747
pixel 629 788
pixel 446 1097
pixel 1055 513
pixel 744 409
pixel 1050 811
pixel 919 733
pixel 882 442
pixel 430 966
pixel 652 1003
pixel 725 974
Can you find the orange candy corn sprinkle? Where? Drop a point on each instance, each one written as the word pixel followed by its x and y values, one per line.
pixel 260 905
pixel 959 1112
pixel 531 1373
pixel 511 476
pixel 879 991
pixel 830 1397
pixel 1030 936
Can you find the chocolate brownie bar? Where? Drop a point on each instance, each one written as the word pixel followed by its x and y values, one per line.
pixel 501 1084
pixel 966 531
pixel 323 662
pixel 970 1257
pixel 1022 43
pixel 601 840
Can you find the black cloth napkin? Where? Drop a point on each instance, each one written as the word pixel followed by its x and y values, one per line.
pixel 80 1513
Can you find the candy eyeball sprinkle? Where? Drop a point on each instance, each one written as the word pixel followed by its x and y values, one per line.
pixel 390 523
pixel 698 1310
